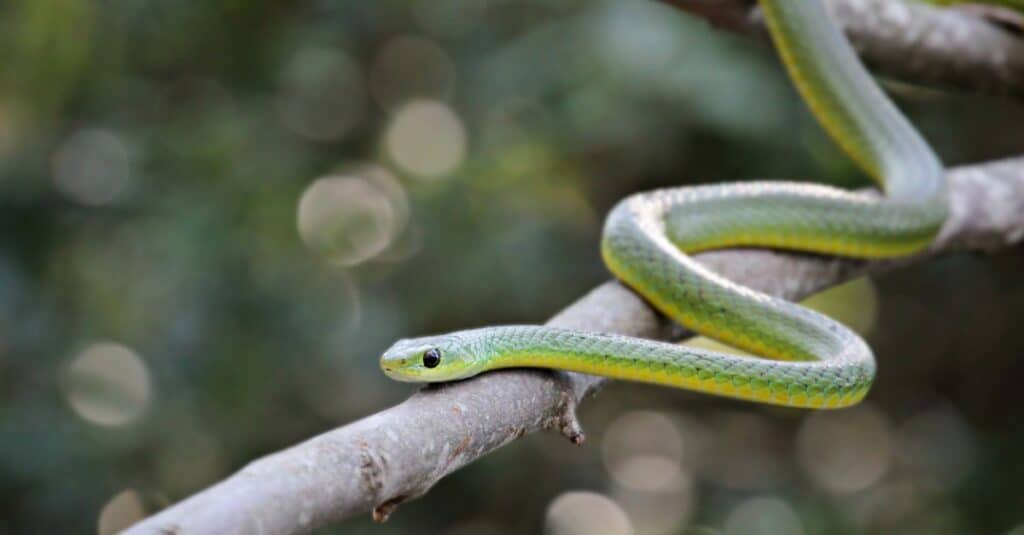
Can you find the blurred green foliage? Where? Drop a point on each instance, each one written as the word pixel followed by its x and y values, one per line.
pixel 214 215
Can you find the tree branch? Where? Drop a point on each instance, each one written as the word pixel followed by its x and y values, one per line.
pixel 398 454
pixel 952 48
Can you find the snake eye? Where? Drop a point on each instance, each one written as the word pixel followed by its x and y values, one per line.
pixel 431 358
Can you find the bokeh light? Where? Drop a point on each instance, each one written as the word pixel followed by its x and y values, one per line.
pixel 322 95
pixel 408 67
pixel 662 512
pixel 92 167
pixel 352 217
pixel 586 513
pixel 747 452
pixel 763 516
pixel 107 384
pixel 938 445
pixel 426 139
pixel 889 503
pixel 845 451
pixel 123 510
pixel 643 451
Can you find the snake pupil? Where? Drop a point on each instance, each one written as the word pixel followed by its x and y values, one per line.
pixel 431 358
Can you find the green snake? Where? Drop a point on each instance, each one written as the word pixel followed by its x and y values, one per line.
pixel 803 358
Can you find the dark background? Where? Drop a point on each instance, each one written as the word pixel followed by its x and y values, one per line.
pixel 215 215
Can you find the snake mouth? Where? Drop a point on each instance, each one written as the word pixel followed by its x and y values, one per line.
pixel 398 373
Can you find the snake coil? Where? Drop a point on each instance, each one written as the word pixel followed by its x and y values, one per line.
pixel 805 358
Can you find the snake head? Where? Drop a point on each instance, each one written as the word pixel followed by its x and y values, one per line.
pixel 430 359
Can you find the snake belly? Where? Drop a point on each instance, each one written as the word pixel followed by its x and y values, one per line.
pixel 803 358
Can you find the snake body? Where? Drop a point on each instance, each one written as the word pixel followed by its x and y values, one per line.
pixel 803 358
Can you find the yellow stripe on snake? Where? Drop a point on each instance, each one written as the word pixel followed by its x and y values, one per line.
pixel 803 358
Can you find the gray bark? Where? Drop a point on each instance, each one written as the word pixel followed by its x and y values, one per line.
pixel 918 43
pixel 398 454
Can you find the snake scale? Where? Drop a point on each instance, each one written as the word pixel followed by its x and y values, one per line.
pixel 803 358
